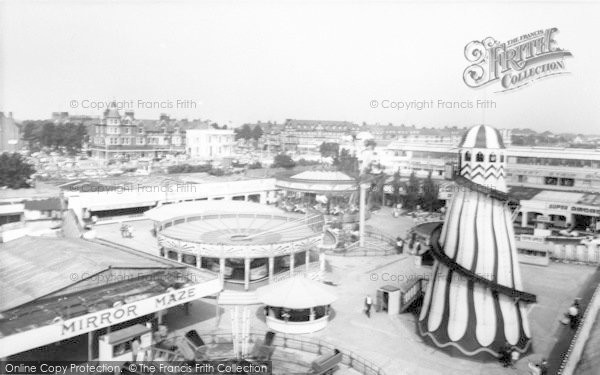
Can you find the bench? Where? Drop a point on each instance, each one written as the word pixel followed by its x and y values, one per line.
pixel 326 364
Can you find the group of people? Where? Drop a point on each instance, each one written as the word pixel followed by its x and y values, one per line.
pixel 508 357
pixel 126 231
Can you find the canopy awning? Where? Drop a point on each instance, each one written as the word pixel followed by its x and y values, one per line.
pixel 296 293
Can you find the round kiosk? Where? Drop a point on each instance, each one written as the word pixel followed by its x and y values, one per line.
pixel 248 243
pixel 297 305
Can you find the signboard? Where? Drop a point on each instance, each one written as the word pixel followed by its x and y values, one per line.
pixel 61 330
pixel 576 209
pixel 529 238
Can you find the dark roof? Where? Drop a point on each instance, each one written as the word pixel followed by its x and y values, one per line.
pixel 48 204
pixel 32 267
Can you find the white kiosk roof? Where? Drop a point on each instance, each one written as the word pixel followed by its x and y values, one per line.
pixel 296 293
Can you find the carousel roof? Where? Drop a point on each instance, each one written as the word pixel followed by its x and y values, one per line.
pixel 322 176
pixel 320 182
pixel 296 293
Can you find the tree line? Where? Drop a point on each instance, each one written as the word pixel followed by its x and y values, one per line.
pixel 247 132
pixel 46 134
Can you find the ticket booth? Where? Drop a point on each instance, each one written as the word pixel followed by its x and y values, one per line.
pixel 388 299
pixel 120 345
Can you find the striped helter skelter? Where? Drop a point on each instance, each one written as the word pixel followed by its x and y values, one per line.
pixel 470 314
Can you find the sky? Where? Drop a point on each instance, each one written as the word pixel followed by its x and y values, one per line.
pixel 237 62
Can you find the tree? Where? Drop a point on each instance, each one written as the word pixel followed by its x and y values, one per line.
pixel 31 134
pixel 15 172
pixel 347 163
pixel 376 191
pixel 256 133
pixel 245 132
pixel 396 186
pixel 430 199
pixel 48 137
pixel 283 161
pixel 411 199
pixel 329 149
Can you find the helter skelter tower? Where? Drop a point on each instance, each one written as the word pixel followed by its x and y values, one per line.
pixel 474 304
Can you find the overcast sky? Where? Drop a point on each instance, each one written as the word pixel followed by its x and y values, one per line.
pixel 270 60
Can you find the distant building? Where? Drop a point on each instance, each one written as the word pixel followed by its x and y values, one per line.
pixel 209 144
pixel 308 135
pixel 10 135
pixel 124 136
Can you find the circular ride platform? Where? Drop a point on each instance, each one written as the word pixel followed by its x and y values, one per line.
pixel 246 242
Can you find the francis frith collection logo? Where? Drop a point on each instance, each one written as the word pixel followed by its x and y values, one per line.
pixel 515 63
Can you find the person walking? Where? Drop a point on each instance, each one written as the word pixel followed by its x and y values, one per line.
pixel 399 245
pixel 368 304
pixel 574 314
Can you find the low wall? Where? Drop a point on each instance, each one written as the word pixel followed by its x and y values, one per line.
pixel 575 352
pixel 589 254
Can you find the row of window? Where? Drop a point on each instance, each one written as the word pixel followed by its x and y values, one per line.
pixel 139 141
pixel 479 157
pixel 558 181
pixel 556 162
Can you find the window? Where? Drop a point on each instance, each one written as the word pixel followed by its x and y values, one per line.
pixel 567 182
pixel 550 180
pixel 492 158
pixel 522 178
pixel 479 156
pixel 501 158
pixel 467 156
pixel 140 130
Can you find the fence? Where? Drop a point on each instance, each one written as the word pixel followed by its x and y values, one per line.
pixel 386 247
pixel 575 253
pixel 318 347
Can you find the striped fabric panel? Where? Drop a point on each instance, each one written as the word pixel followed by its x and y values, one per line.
pixel 459 313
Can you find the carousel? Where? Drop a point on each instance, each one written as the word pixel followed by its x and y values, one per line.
pixel 331 193
pixel 247 243
pixel 297 305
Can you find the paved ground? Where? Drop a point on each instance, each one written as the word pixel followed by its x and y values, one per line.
pixel 392 341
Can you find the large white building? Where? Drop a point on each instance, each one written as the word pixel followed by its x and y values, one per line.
pixel 561 185
pixel 210 144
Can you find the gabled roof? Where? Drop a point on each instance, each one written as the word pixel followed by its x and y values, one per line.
pixel 32 267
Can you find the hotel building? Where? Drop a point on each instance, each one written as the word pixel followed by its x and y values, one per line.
pixel 124 136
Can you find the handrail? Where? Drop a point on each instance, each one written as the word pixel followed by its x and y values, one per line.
pixel 315 346
pixel 493 193
pixel 443 258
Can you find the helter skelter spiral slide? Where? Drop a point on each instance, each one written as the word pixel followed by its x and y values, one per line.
pixel 474 304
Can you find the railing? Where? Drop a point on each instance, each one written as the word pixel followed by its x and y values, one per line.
pixel 106 219
pixel 355 250
pixel 318 347
pixel 312 271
